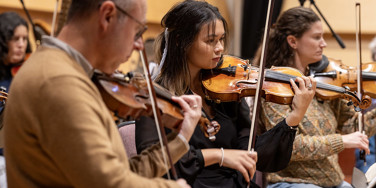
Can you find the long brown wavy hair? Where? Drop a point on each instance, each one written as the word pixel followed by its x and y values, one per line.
pixel 295 22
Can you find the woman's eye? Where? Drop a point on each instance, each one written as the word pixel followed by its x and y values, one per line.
pixel 211 41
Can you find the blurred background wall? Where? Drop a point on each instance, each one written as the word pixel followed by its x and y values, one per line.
pixel 246 20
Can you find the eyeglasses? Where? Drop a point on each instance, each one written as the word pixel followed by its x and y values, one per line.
pixel 144 27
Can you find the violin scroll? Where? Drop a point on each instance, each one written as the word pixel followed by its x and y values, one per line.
pixel 358 104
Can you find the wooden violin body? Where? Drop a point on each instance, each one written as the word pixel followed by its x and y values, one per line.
pixel 235 78
pixel 336 73
pixel 127 96
pixel 242 83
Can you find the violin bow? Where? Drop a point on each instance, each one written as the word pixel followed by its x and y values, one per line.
pixel 157 117
pixel 359 76
pixel 260 76
pixel 54 19
pixel 257 102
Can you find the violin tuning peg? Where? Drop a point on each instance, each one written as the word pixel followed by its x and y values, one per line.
pixel 350 103
pixel 207 97
pixel 212 138
pixel 210 130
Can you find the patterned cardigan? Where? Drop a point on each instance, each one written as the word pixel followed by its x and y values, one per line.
pixel 318 140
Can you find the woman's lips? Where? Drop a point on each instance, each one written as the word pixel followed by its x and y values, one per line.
pixel 216 59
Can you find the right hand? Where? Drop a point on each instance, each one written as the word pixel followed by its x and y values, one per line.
pixel 191 106
pixel 356 140
pixel 183 183
pixel 243 161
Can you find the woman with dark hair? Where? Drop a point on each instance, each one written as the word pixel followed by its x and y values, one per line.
pixel 297 41
pixel 14 45
pixel 194 39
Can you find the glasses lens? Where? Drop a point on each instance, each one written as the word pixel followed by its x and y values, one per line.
pixel 139 34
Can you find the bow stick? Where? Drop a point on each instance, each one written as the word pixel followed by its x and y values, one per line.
pixel 52 34
pixel 157 117
pixel 251 142
pixel 260 77
pixel 359 76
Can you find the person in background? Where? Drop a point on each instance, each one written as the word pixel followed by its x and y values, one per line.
pixel 14 45
pixel 194 39
pixel 58 131
pixel 328 126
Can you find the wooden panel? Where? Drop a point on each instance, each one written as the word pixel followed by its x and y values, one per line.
pixel 346 160
pixel 157 9
pixel 348 55
pixel 37 5
pixel 341 14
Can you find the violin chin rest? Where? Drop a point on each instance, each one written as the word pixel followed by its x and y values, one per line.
pixel 319 66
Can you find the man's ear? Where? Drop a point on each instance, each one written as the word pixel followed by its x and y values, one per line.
pixel 107 13
pixel 291 40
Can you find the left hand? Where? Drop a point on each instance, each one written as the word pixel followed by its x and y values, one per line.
pixel 302 98
pixel 191 106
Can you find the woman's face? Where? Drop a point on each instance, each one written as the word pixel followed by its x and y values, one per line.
pixel 310 46
pixel 207 47
pixel 17 45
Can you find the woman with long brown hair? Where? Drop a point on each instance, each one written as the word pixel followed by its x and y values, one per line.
pixel 327 127
pixel 194 39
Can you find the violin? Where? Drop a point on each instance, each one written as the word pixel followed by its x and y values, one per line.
pixel 336 73
pixel 234 78
pixel 3 96
pixel 127 96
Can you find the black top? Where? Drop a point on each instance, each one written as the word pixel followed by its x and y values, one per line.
pixel 273 147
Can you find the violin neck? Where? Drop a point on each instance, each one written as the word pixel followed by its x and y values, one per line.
pixel 329 87
pixel 279 76
pixel 368 75
pixel 164 94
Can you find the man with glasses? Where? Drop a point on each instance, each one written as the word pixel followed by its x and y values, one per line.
pixel 58 130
